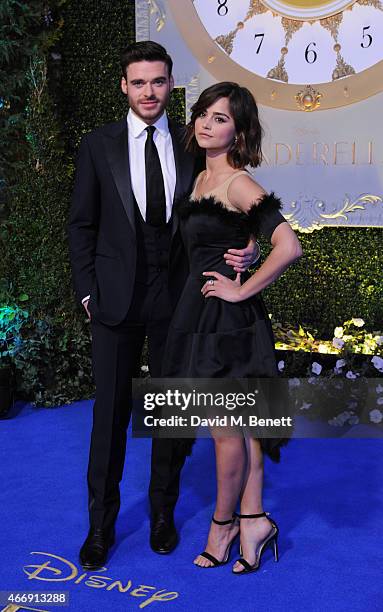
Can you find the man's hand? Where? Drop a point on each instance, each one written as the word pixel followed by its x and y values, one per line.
pixel 85 304
pixel 242 259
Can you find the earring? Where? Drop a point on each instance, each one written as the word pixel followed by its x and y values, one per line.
pixel 235 139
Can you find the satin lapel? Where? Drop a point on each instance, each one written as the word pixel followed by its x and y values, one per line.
pixel 184 168
pixel 117 153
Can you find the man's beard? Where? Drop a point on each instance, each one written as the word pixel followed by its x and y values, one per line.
pixel 137 109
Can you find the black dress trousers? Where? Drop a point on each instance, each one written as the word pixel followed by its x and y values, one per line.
pixel 116 355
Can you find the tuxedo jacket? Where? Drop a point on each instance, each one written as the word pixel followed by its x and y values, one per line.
pixel 102 228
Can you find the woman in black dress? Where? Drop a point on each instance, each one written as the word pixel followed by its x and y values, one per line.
pixel 223 329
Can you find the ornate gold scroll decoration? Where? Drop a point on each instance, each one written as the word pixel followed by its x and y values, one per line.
pixel 342 69
pixel 348 207
pixel 279 72
pixel 256 8
pixel 159 14
pixel 332 24
pixel 375 3
pixel 226 40
pixel 308 99
pixel 290 27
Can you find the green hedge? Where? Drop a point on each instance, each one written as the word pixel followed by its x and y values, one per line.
pixel 21 34
pixel 67 83
pixel 338 277
pixel 56 356
pixel 94 35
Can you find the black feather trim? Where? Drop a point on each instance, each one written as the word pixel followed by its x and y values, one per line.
pixel 269 203
pixel 208 206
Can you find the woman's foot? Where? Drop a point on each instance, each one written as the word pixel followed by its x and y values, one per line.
pixel 253 533
pixel 220 538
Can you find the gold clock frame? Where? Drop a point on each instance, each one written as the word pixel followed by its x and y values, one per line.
pixel 339 93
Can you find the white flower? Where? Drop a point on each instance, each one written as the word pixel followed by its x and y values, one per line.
pixel 294 382
pixel 281 365
pixel 351 375
pixel 358 322
pixel 340 363
pixel 312 380
pixel 379 389
pixel 378 340
pixel 305 406
pixel 322 348
pixel 377 362
pixel 338 332
pixel 145 368
pixel 316 368
pixel 376 416
pixel 338 343
pixel 379 401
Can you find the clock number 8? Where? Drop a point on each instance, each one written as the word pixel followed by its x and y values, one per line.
pixel 366 36
pixel 312 52
pixel 222 9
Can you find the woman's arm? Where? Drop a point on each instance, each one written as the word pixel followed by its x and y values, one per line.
pixel 286 250
pixel 244 193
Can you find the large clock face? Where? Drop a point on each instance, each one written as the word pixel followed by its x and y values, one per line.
pixel 295 54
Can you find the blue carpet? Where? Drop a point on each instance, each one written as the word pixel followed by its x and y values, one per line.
pixel 326 496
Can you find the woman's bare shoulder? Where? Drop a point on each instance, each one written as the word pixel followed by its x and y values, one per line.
pixel 244 192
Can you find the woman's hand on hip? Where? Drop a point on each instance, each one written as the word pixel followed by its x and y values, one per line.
pixel 222 287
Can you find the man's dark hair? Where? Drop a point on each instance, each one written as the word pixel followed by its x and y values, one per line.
pixel 246 150
pixel 145 50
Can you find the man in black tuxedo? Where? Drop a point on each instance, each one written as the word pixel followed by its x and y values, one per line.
pixel 129 268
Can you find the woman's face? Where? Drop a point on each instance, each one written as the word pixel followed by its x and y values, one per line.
pixel 214 128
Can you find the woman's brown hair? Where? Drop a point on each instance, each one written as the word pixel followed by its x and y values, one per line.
pixel 246 149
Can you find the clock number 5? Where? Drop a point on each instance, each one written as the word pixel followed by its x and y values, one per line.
pixel 261 41
pixel 310 54
pixel 222 9
pixel 366 36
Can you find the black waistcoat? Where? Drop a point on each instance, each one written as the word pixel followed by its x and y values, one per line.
pixel 153 246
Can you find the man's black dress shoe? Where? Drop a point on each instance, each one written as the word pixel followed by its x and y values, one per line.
pixel 94 551
pixel 163 534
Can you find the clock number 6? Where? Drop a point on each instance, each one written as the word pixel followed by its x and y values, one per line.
pixel 312 52
pixel 222 9
pixel 365 36
pixel 260 44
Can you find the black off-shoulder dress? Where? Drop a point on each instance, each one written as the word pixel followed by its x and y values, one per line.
pixel 210 337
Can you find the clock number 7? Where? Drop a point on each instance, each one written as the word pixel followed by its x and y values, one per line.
pixel 365 36
pixel 261 41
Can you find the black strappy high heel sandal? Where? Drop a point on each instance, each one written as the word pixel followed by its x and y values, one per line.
pixel 214 560
pixel 271 538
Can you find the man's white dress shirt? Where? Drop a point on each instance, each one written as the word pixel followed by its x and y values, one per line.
pixel 163 141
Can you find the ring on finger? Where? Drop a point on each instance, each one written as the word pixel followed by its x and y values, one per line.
pixel 211 282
